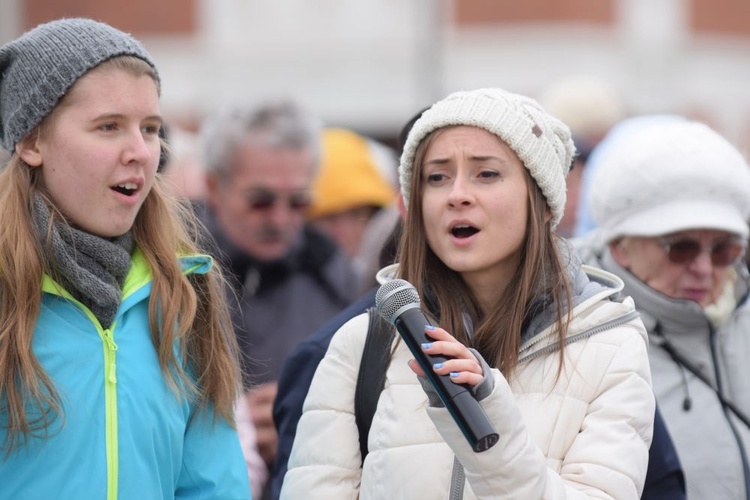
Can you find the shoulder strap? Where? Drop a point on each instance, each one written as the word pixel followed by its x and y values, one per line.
pixel 682 361
pixel 371 378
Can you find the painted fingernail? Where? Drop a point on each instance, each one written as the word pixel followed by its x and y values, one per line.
pixel 429 327
pixel 454 374
pixel 427 345
pixel 437 366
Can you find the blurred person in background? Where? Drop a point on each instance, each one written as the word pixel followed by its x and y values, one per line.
pixel 584 221
pixel 354 198
pixel 288 278
pixel 590 106
pixel 257 470
pixel 182 168
pixel 671 202
pixel 300 366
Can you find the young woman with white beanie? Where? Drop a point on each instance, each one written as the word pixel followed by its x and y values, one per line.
pixel 558 366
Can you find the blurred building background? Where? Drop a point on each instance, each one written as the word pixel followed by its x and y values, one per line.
pixel 370 64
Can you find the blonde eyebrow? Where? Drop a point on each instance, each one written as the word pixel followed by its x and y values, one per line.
pixel 119 116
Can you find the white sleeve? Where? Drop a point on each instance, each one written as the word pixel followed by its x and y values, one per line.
pixel 607 456
pixel 325 461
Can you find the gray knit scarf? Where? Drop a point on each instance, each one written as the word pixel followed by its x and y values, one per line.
pixel 90 267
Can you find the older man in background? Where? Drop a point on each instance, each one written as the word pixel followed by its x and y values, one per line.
pixel 288 278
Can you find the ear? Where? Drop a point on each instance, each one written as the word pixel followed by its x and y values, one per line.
pixel 547 215
pixel 620 253
pixel 401 206
pixel 212 188
pixel 28 150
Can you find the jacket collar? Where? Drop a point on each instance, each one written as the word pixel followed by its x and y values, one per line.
pixel 139 274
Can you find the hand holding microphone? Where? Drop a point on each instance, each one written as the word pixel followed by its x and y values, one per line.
pixel 460 362
pixel 398 302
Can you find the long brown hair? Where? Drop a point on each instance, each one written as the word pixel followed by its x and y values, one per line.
pixel 187 311
pixel 541 271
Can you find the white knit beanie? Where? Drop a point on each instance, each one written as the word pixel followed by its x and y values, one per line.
pixel 542 142
pixel 668 177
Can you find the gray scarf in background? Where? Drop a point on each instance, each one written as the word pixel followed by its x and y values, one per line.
pixel 90 267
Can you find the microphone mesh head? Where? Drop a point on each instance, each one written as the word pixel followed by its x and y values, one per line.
pixel 394 295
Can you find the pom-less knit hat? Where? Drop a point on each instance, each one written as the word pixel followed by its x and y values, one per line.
pixel 667 177
pixel 542 142
pixel 39 67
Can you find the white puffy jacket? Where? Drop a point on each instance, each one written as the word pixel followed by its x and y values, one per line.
pixel 584 434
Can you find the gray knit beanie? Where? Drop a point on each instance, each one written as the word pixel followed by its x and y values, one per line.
pixel 39 67
pixel 542 142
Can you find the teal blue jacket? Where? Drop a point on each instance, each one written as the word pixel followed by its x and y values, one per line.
pixel 123 433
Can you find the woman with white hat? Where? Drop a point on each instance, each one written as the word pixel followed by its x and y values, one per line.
pixel 671 201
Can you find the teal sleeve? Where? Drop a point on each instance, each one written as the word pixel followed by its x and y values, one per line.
pixel 212 462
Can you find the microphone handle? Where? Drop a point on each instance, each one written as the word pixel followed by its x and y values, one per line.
pixel 457 398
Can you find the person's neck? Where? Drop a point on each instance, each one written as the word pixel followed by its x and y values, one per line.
pixel 486 288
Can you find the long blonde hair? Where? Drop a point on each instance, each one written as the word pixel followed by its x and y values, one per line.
pixel 541 271
pixel 188 311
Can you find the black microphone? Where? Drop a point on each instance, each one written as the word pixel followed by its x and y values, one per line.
pixel 398 302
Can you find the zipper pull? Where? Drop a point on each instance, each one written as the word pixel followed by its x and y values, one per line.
pixel 113 372
pixel 112 346
pixel 110 341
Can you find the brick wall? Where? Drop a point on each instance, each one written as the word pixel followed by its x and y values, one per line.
pixel 729 17
pixel 467 12
pixel 139 17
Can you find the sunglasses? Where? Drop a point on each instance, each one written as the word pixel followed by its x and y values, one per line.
pixel 262 201
pixel 723 253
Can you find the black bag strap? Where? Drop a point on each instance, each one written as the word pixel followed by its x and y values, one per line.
pixel 371 378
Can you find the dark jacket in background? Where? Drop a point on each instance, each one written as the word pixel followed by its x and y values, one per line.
pixel 294 382
pixel 281 303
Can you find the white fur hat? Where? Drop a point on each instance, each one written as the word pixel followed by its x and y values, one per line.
pixel 669 177
pixel 542 142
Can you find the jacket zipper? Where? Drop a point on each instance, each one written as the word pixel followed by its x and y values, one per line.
pixel 110 409
pixel 458 478
pixel 619 321
pixel 110 368
pixel 584 306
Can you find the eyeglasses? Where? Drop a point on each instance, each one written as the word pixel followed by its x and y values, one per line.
pixel 723 253
pixel 265 200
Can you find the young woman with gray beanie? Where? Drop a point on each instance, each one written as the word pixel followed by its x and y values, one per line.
pixel 118 368
pixel 558 365
pixel 671 201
